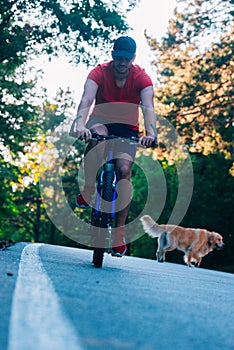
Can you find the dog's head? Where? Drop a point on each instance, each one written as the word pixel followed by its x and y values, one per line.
pixel 216 241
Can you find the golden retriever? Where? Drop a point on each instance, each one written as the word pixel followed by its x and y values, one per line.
pixel 194 242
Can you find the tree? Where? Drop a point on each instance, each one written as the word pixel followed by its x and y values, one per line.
pixel 212 205
pixel 28 28
pixel 195 73
pixel 58 25
pixel 194 62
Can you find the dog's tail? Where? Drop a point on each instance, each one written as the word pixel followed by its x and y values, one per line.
pixel 150 226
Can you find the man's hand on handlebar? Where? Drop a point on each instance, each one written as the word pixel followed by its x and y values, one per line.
pixel 84 134
pixel 147 141
pixel 80 131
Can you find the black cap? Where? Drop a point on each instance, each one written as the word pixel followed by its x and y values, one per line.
pixel 124 47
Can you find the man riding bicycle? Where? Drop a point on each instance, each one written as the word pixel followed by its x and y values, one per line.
pixel 117 88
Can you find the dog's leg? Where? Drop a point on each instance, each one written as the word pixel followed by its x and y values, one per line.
pixel 188 258
pixel 199 259
pixel 160 255
pixel 163 243
pixel 195 259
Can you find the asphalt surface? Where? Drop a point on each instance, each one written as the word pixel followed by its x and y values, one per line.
pixel 53 298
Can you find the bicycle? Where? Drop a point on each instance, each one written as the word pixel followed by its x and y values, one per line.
pixel 103 212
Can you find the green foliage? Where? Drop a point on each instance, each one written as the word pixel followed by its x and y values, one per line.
pixel 212 204
pixel 195 70
pixel 144 247
pixel 29 28
pixel 211 208
pixel 194 61
pixel 74 28
pixel 53 26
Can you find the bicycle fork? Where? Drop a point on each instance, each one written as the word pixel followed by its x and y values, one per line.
pixel 107 172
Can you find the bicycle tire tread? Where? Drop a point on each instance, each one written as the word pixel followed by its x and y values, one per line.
pixel 99 241
pixel 98 255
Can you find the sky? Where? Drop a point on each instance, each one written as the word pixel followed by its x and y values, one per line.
pixel 150 15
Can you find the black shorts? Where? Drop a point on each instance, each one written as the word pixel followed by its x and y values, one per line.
pixel 117 129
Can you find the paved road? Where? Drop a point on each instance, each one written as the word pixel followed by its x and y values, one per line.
pixel 53 299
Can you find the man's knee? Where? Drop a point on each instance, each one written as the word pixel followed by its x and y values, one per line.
pixel 124 170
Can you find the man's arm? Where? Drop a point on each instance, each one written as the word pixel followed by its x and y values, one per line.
pixel 78 128
pixel 147 105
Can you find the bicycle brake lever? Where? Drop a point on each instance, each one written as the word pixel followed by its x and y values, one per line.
pixel 94 134
pixel 154 144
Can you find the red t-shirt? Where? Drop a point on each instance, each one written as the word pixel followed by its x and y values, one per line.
pixel 114 104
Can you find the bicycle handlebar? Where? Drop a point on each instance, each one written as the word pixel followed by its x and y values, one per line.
pixel 132 139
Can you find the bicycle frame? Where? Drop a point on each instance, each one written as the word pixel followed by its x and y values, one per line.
pixel 106 192
pixel 109 166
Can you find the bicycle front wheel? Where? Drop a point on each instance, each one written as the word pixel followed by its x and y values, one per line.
pixel 102 217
